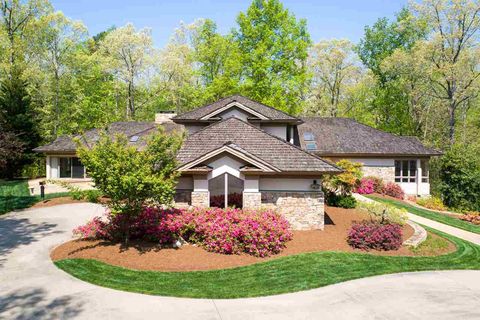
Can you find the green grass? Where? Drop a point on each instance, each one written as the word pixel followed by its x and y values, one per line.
pixel 15 195
pixel 432 215
pixel 430 246
pixel 282 275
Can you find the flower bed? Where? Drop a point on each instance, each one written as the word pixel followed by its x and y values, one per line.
pixel 228 231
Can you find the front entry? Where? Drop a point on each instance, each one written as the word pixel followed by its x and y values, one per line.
pixel 226 191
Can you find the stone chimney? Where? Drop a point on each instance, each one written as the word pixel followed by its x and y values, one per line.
pixel 164 116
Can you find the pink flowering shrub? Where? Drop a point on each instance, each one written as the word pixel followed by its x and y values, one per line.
pixel 366 186
pixel 93 229
pixel 393 190
pixel 233 231
pixel 368 235
pixel 229 231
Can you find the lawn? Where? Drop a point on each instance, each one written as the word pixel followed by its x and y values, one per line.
pixel 282 275
pixel 15 195
pixel 454 222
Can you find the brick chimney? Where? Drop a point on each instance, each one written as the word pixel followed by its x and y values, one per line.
pixel 164 116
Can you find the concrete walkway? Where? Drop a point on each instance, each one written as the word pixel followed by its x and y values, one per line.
pixel 459 233
pixel 31 287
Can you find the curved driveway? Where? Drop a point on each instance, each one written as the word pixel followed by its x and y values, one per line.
pixel 31 287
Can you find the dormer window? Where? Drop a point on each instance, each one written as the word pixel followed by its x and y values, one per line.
pixel 311 146
pixel 134 138
pixel 308 136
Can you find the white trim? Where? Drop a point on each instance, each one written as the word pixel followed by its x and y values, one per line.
pixel 231 105
pixel 256 162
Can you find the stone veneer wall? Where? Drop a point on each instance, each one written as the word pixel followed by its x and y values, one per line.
pixel 304 210
pixel 386 173
pixel 252 200
pixel 200 198
pixel 182 198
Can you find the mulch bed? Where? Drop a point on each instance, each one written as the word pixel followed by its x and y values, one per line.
pixel 55 202
pixel 148 256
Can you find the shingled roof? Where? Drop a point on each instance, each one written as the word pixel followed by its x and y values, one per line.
pixel 343 136
pixel 255 142
pixel 270 113
pixel 66 143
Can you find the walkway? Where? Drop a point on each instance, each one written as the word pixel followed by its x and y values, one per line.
pixel 31 287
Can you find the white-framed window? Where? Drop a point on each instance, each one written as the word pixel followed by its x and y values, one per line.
pixel 405 170
pixel 425 170
pixel 71 167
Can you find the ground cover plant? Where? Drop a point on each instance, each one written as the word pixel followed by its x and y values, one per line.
pixel 282 275
pixel 259 233
pixel 14 195
pixel 451 221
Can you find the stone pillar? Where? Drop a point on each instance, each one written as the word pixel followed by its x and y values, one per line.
pixel 201 199
pixel 252 200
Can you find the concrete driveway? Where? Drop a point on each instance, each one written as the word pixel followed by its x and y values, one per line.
pixel 31 287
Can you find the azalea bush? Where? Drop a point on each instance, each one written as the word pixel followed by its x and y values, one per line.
pixel 472 217
pixel 394 190
pixel 229 231
pixel 367 235
pixel 366 186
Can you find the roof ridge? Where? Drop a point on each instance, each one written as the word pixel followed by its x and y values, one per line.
pixel 202 106
pixel 273 136
pixel 266 105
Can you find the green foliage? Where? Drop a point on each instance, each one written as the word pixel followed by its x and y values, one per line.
pixel 18 117
pixel 273 47
pixel 384 213
pixel 90 195
pixel 281 275
pixel 130 178
pixel 339 200
pixel 430 246
pixel 345 182
pixel 459 174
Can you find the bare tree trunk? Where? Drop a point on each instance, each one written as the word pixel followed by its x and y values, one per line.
pixel 451 122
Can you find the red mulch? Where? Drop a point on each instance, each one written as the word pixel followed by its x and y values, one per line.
pixel 148 256
pixel 55 202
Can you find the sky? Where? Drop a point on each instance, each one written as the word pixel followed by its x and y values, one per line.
pixel 326 19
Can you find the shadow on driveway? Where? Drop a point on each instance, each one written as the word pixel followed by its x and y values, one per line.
pixel 15 232
pixel 32 303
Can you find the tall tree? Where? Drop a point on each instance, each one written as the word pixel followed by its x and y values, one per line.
pixel 129 53
pixel 453 51
pixel 273 45
pixel 335 68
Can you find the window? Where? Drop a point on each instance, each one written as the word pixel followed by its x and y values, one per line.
pixel 311 145
pixel 425 169
pixel 71 168
pixel 308 136
pixel 405 170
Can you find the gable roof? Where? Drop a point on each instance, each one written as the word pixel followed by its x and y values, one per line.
pixel 67 144
pixel 269 113
pixel 344 136
pixel 251 141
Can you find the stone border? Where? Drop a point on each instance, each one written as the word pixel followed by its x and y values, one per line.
pixel 419 234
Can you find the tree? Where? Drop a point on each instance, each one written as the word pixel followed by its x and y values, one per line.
pixel 335 68
pixel 453 52
pixel 273 46
pixel 18 118
pixel 129 53
pixel 130 178
pixel 11 151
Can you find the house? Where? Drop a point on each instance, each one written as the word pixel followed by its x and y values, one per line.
pixel 237 148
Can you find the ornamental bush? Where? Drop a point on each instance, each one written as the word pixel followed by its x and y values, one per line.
pixel 230 231
pixel 340 201
pixel 393 190
pixel 366 186
pixel 472 217
pixel 432 202
pixel 368 235
pixel 384 213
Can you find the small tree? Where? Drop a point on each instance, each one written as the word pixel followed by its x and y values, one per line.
pixel 344 182
pixel 131 178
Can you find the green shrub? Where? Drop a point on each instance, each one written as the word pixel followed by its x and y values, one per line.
pixel 459 175
pixel 383 213
pixel 340 201
pixel 345 182
pixel 432 202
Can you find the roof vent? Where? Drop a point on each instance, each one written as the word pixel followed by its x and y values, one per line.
pixel 164 116
pixel 134 138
